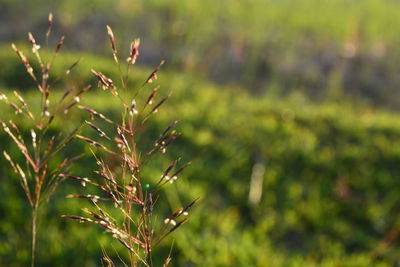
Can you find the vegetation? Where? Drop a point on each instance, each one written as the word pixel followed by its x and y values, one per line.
pixel 324 49
pixel 39 176
pixel 322 163
pixel 130 217
pixel 284 180
pixel 129 214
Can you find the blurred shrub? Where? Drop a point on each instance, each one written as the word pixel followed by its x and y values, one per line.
pixel 327 49
pixel 330 192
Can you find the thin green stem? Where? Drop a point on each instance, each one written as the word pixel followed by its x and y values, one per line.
pixel 34 230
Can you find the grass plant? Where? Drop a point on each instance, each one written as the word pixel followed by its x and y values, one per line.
pixel 126 205
pixel 39 176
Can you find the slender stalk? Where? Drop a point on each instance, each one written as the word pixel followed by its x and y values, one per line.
pixel 34 230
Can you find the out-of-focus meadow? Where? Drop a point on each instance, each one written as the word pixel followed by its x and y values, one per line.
pixel 288 110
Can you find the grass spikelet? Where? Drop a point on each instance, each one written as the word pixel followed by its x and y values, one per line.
pixel 49 26
pixel 27 64
pixel 112 43
pixel 134 52
pixel 153 75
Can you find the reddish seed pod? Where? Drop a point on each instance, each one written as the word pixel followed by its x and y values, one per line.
pixel 134 52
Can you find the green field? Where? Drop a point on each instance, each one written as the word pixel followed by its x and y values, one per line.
pixel 324 49
pixel 330 192
pixel 257 110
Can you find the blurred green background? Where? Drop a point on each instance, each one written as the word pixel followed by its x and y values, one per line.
pixel 288 110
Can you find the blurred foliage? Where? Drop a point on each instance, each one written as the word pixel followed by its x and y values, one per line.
pixel 326 49
pixel 330 192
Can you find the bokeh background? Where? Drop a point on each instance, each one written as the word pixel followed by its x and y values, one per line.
pixel 288 110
